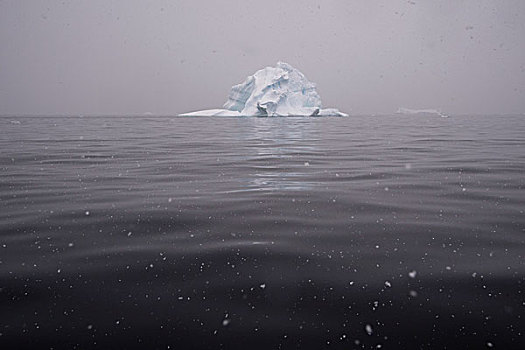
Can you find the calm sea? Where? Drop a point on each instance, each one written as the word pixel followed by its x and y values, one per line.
pixel 391 232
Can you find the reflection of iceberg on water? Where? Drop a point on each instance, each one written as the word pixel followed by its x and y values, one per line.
pixel 422 112
pixel 273 91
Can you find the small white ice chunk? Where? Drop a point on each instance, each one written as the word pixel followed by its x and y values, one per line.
pixel 421 112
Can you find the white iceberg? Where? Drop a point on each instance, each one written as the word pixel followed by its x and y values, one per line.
pixel 273 91
pixel 423 112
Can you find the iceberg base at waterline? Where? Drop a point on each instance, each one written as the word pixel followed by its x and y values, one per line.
pixel 324 112
pixel 273 91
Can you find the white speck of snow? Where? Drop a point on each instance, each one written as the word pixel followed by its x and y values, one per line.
pixel 388 284
pixel 368 329
pixel 306 163
pixel 412 274
pixel 448 268
pixel 490 345
pixel 87 213
pixel 225 322
pixel 413 293
pixel 262 285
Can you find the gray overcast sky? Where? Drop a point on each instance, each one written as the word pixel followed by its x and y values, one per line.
pixel 169 57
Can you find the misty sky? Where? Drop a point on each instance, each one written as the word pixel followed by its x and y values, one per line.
pixel 170 57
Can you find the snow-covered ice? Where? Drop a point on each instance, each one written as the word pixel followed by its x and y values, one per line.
pixel 273 91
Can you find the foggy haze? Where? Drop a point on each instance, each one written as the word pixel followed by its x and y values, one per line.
pixel 170 57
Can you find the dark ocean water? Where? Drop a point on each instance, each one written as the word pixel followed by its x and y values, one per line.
pixel 262 233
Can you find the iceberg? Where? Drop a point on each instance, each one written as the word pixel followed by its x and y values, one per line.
pixel 273 91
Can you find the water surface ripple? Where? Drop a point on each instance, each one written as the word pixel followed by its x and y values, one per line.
pixel 262 233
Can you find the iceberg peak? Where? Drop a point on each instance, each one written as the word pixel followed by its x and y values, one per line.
pixel 273 91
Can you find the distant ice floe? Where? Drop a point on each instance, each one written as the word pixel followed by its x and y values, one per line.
pixel 273 91
pixel 427 112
